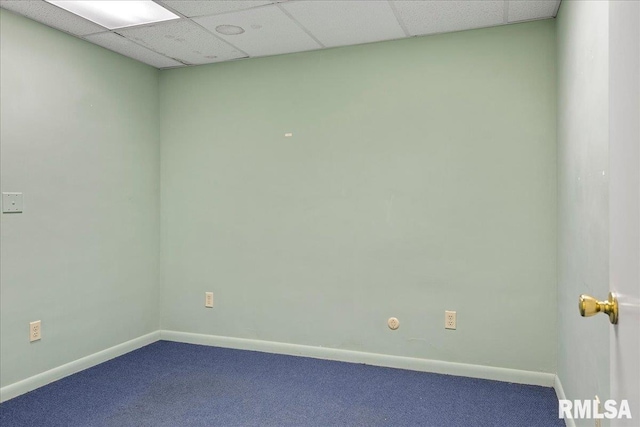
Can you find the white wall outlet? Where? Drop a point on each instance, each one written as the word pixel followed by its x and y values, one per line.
pixel 450 320
pixel 393 323
pixel 12 202
pixel 208 299
pixel 35 331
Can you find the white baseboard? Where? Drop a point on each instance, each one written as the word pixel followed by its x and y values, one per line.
pixel 410 363
pixel 31 383
pixel 557 385
pixel 374 359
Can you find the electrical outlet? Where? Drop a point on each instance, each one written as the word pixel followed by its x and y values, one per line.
pixel 35 331
pixel 208 299
pixel 450 320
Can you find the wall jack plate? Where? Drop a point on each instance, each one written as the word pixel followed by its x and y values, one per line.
pixel 208 299
pixel 12 202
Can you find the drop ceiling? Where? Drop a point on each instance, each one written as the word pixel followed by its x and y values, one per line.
pixel 275 27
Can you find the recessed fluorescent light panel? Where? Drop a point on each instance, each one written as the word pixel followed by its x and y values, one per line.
pixel 117 14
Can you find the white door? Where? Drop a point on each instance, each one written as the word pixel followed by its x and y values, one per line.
pixel 624 203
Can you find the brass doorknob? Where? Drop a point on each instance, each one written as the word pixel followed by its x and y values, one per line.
pixel 589 306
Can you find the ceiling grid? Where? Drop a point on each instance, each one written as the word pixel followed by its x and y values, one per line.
pixel 209 31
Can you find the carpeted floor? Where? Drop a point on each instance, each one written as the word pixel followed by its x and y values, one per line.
pixel 172 384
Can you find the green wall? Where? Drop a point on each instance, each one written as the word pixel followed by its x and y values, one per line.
pixel 421 177
pixel 79 137
pixel 583 183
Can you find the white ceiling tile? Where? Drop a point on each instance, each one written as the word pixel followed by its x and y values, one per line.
pixel 128 48
pixel 339 23
pixel 267 31
pixel 52 16
pixel 278 26
pixel 193 8
pixel 183 40
pixel 523 10
pixel 428 17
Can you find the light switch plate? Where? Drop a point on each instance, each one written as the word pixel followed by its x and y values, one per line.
pixel 12 202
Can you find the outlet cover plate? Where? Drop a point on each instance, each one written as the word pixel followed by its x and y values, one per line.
pixel 450 320
pixel 35 331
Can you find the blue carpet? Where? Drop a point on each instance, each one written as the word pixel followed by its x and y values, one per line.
pixel 172 384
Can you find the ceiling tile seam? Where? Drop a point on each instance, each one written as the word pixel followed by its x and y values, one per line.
pixel 170 9
pixel 223 13
pixel 505 12
pixel 171 67
pixel 302 27
pixel 138 44
pixel 147 48
pixel 195 23
pixel 96 33
pixel 181 17
pixel 145 25
pixel 397 15
pixel 221 39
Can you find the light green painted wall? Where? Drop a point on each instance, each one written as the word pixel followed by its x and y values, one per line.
pixel 583 209
pixel 421 176
pixel 79 137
